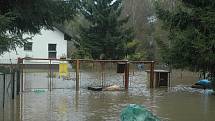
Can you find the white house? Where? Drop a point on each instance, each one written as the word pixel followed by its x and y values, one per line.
pixel 47 44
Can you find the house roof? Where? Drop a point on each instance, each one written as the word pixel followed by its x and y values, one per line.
pixel 159 71
pixel 69 35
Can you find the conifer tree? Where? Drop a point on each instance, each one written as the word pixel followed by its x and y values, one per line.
pixel 107 35
pixel 191 29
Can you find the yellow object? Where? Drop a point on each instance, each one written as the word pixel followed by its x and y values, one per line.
pixel 63 69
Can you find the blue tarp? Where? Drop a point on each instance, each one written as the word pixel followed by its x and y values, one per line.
pixel 204 82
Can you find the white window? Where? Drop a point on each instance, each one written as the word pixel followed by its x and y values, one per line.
pixel 52 50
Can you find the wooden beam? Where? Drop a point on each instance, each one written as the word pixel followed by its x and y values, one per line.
pixel 77 74
pixel 152 74
pixel 126 75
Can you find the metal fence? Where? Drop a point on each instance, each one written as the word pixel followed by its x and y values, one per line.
pixel 8 91
pixel 45 74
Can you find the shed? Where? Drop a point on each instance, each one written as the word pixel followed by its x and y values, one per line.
pixel 161 78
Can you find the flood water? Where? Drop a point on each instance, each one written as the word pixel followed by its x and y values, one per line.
pixel 178 103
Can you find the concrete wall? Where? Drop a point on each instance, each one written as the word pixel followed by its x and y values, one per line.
pixel 39 47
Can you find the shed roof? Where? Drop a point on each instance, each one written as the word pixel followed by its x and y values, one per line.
pixel 159 71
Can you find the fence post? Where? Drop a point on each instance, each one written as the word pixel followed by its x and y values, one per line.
pixel 18 82
pixel 21 66
pixel 126 75
pixel 18 77
pixel 77 74
pixel 50 76
pixel 152 74
pixel 102 71
pixel 13 84
pixel 3 89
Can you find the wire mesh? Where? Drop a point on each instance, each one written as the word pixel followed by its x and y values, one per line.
pixel 100 74
pixel 138 76
pixel 92 73
pixel 47 76
pixel 8 90
pixel 65 81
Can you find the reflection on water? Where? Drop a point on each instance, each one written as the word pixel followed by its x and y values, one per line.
pixel 179 103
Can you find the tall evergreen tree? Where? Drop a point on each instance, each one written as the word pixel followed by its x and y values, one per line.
pixel 192 35
pixel 29 16
pixel 107 35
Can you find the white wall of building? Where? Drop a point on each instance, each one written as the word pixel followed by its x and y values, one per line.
pixel 39 47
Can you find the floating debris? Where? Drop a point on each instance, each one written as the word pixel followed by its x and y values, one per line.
pixel 39 90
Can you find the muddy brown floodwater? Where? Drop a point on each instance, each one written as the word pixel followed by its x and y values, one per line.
pixel 178 103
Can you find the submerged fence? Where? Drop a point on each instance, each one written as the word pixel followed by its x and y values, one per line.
pixel 36 73
pixel 8 91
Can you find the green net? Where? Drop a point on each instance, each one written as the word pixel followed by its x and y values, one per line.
pixel 39 90
pixel 135 112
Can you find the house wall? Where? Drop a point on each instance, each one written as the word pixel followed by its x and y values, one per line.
pixel 39 47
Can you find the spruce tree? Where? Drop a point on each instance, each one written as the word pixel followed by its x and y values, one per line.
pixel 107 35
pixel 191 27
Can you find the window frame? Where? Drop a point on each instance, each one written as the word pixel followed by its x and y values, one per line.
pixel 52 50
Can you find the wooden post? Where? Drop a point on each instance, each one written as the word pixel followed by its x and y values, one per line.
pixel 126 75
pixel 77 101
pixel 50 76
pixel 169 79
pixel 77 74
pixel 4 78
pixel 18 76
pixel 152 74
pixel 20 61
pixel 13 84
pixel 102 72
pixel 18 81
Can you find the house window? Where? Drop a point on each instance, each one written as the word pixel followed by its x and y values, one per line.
pixel 28 46
pixel 52 50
